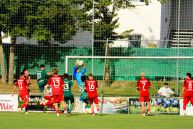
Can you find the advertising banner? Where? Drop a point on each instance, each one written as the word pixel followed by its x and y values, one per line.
pixel 111 105
pixel 158 106
pixel 34 103
pixel 8 102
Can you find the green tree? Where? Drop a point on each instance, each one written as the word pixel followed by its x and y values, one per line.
pixel 7 9
pixel 3 72
pixel 56 20
pixel 106 21
pixel 45 20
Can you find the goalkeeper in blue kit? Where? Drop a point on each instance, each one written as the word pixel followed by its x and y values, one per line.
pixel 68 96
pixel 78 74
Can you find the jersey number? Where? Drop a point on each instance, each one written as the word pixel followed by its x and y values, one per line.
pixel 66 87
pixel 91 86
pixel 190 85
pixel 143 86
pixel 20 85
pixel 56 83
pixel 39 75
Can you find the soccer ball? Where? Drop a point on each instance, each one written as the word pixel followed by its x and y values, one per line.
pixel 80 62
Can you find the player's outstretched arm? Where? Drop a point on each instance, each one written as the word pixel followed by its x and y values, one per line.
pixel 83 70
pixel 13 90
pixel 76 63
pixel 50 73
pixel 137 86
pixel 75 71
pixel 182 93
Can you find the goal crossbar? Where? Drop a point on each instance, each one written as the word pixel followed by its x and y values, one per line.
pixel 124 57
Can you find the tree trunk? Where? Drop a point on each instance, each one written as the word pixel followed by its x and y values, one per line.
pixel 2 58
pixel 11 60
pixel 107 68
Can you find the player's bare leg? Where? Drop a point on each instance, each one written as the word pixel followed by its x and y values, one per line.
pixel 148 108
pixel 57 109
pixel 24 106
pixel 143 108
pixel 97 107
pixel 86 108
pixel 64 105
pixel 92 109
pixel 185 102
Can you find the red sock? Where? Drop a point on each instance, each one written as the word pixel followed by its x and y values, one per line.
pixel 23 105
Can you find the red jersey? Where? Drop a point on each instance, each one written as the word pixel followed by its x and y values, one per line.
pixel 56 83
pixel 144 85
pixel 91 88
pixel 188 87
pixel 22 85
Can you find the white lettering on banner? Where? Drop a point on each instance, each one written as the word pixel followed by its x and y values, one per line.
pixel 8 102
pixel 35 99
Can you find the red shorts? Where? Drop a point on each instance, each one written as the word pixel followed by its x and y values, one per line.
pixel 24 97
pixel 58 98
pixel 93 99
pixel 188 99
pixel 144 99
pixel 48 97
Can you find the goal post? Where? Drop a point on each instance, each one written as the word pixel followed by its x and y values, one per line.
pixel 131 66
pixel 125 71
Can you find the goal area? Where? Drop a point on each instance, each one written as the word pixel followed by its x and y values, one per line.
pixel 120 73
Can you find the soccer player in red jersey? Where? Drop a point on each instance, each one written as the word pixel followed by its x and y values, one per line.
pixel 143 85
pixel 48 99
pixel 91 87
pixel 187 91
pixel 23 91
pixel 26 75
pixel 57 83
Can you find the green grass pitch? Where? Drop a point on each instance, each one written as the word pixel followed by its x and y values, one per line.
pixel 10 120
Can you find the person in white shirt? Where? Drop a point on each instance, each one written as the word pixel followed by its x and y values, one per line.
pixel 165 91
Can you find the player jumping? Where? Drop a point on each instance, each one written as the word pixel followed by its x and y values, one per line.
pixel 41 79
pixel 68 96
pixel 23 91
pixel 187 91
pixel 56 83
pixel 143 85
pixel 78 74
pixel 91 86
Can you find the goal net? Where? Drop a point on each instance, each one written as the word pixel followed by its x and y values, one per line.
pixel 118 74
